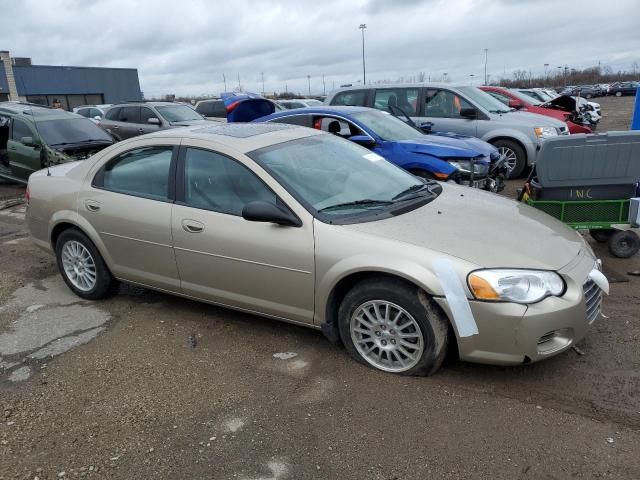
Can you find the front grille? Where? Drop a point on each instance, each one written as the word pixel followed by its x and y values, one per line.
pixel 592 300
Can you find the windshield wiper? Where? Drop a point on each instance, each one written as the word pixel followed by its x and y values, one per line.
pixel 80 141
pixel 412 189
pixel 367 202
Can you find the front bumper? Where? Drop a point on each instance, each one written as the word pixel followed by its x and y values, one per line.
pixel 513 334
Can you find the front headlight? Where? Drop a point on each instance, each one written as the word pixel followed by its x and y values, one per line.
pixel 520 286
pixel 462 165
pixel 545 132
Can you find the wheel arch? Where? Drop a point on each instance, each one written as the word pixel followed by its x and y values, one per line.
pixel 65 220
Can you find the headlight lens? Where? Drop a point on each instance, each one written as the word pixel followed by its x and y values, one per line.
pixel 544 132
pixel 520 286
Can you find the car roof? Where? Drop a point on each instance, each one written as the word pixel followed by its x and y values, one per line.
pixel 243 137
pixel 147 104
pixel 385 86
pixel 35 111
pixel 323 110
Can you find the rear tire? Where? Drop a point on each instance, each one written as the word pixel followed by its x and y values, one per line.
pixel 601 235
pixel 516 156
pixel 393 326
pixel 82 267
pixel 624 244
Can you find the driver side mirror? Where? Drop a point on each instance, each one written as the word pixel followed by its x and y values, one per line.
pixel 364 140
pixel 28 142
pixel 469 113
pixel 515 104
pixel 153 121
pixel 270 213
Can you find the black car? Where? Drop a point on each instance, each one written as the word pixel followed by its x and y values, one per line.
pixel 626 88
pixel 585 91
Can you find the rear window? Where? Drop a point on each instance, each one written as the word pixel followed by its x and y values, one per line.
pixel 113 113
pixel 214 108
pixel 355 98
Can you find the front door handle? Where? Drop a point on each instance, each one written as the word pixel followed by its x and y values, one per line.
pixel 191 226
pixel 140 130
pixel 92 205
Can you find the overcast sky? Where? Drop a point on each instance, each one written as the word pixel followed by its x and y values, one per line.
pixel 185 46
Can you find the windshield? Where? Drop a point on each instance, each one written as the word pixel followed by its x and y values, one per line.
pixel 335 176
pixel 69 131
pixel 179 113
pixel 526 98
pixel 386 126
pixel 483 100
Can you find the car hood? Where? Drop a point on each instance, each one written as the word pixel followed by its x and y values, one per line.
pixel 527 119
pixel 472 143
pixel 484 229
pixel 442 148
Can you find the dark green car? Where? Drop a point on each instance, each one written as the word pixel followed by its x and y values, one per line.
pixel 33 136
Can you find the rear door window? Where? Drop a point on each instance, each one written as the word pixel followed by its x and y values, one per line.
pixel 356 98
pixel 404 98
pixel 85 112
pixel 94 112
pixel 113 113
pixel 130 115
pixel 143 172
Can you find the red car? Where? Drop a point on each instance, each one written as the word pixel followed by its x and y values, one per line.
pixel 520 101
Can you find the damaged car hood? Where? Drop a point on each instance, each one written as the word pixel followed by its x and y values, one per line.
pixel 442 148
pixel 483 229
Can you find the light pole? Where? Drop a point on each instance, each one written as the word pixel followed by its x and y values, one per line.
pixel 224 79
pixel 444 77
pixel 309 82
pixel 486 53
pixel 262 75
pixel 471 75
pixel 364 70
pixel 324 87
pixel 546 74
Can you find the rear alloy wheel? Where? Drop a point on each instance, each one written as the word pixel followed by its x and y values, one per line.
pixel 514 154
pixel 601 235
pixel 393 327
pixel 82 266
pixel 624 244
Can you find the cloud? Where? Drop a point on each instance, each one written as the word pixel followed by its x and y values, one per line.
pixel 185 47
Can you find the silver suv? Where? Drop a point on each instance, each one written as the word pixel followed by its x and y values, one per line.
pixel 465 110
pixel 128 120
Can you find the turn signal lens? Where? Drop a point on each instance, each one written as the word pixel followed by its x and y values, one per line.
pixel 482 289
pixel 440 176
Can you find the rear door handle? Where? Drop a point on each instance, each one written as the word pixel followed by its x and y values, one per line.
pixel 140 130
pixel 191 226
pixel 92 205
pixel 115 127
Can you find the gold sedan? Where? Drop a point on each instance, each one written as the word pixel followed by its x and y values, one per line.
pixel 294 224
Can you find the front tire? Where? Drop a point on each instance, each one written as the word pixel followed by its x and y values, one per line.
pixel 515 154
pixel 394 327
pixel 82 267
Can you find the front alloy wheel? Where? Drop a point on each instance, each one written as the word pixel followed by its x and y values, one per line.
pixel 386 336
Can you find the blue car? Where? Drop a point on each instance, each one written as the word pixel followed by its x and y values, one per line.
pixel 442 157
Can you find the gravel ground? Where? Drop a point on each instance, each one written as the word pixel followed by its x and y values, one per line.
pixel 145 385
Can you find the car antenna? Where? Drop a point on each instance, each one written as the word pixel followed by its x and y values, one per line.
pixel 44 148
